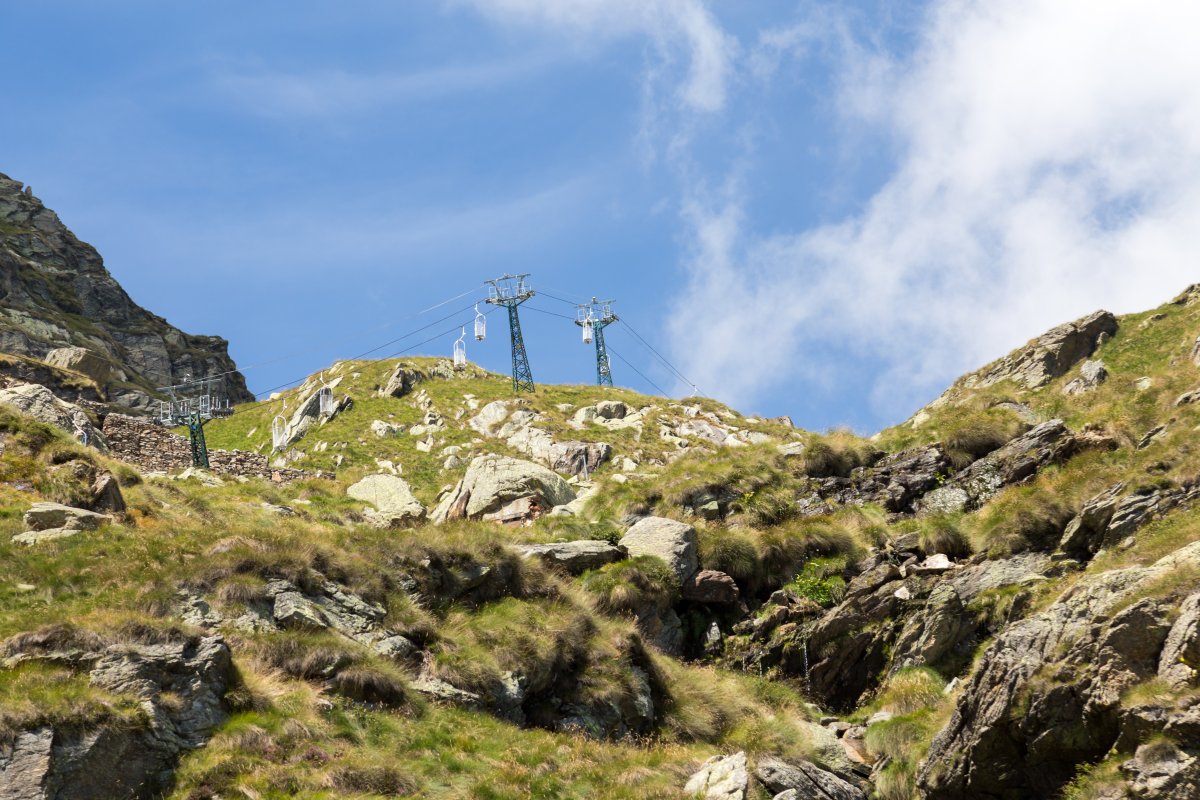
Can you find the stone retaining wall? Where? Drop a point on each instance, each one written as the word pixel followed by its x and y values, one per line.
pixel 156 449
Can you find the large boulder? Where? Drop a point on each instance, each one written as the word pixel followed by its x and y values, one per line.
pixel 574 557
pixel 493 482
pixel 674 542
pixel 39 403
pixel 395 504
pixel 1091 375
pixel 49 521
pixel 805 778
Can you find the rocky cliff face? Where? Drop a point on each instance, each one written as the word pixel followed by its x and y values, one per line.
pixel 59 304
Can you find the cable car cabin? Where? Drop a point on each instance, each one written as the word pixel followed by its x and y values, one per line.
pixel 587 331
pixel 460 351
pixel 278 433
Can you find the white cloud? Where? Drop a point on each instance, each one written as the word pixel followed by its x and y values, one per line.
pixel 1049 165
pixel 670 23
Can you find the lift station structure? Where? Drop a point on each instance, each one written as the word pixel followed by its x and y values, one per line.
pixel 510 291
pixel 193 403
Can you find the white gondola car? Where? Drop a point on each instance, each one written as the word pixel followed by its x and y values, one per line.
pixel 480 325
pixel 460 350
pixel 278 432
pixel 586 325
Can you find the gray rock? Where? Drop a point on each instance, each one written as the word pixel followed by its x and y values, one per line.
pixel 100 368
pixel 490 416
pixel 383 430
pixel 1091 375
pixel 106 494
pixel 578 458
pixel 402 380
pixel 807 779
pixel 674 542
pixel 574 557
pixel 1180 657
pixel 720 778
pixel 711 587
pixel 52 279
pixel 611 409
pixel 1162 771
pixel 39 403
pixel 941 629
pixel 492 482
pixel 395 504
pixel 47 516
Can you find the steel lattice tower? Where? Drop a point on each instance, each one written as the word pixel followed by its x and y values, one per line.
pixel 594 317
pixel 510 291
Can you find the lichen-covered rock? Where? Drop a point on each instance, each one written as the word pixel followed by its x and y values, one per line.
pixel 672 541
pixel 807 779
pixel 1091 375
pixel 720 778
pixel 395 504
pixel 1020 459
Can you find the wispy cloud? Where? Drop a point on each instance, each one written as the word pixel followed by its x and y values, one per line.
pixel 274 93
pixel 1049 164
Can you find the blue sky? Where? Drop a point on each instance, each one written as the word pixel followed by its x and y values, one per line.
pixel 816 209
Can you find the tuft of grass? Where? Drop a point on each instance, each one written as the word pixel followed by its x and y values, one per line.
pixel 821 581
pixel 632 585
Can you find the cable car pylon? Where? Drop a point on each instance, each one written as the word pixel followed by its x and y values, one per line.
pixel 510 291
pixel 593 318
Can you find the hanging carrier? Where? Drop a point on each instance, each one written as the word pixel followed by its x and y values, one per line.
pixel 325 400
pixel 278 432
pixel 460 350
pixel 480 325
pixel 584 321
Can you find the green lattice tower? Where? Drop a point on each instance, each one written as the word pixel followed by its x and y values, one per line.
pixel 510 291
pixel 199 447
pixel 600 315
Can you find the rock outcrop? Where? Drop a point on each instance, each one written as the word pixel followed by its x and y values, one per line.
pixel 39 403
pixel 1047 695
pixel 180 684
pixel 1048 356
pixel 1048 443
pixel 48 279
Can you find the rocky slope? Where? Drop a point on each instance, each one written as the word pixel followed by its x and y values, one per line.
pixel 60 305
pixel 591 593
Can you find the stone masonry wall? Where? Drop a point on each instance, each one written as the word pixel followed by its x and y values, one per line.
pixel 156 449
